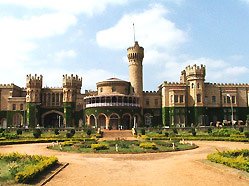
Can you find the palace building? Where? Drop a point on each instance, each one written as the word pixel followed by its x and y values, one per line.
pixel 123 104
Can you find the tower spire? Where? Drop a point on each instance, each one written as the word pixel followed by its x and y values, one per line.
pixel 134 35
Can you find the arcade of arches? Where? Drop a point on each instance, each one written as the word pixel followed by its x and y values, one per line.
pixel 113 121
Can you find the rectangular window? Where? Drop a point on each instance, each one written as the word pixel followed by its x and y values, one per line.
pixel 225 99
pixel 181 99
pixel 213 99
pixel 156 102
pixel 233 99
pixel 147 102
pixel 198 98
pixel 176 98
pixel 21 106
pixel 228 99
pixel 14 107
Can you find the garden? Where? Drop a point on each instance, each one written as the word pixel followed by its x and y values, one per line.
pixel 21 168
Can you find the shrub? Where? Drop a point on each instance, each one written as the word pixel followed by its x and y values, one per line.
pixel 175 131
pixel 69 135
pixel 1 130
pixel 56 131
pixel 224 132
pixel 241 129
pixel 99 146
pixel 159 132
pixel 148 145
pixel 72 131
pixel 37 133
pixel 143 131
pixel 246 134
pixel 209 130
pixel 166 134
pixel 88 132
pixel 193 131
pixel 19 131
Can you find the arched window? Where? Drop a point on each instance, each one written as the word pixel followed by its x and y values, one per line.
pixel 198 85
pixel 198 98
pixel 192 85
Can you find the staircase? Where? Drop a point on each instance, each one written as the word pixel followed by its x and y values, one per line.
pixel 115 134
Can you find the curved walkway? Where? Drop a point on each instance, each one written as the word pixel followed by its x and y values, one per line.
pixel 160 169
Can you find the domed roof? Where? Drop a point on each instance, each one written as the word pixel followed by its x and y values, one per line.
pixel 115 79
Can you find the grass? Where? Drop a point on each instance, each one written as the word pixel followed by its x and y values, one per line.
pixel 125 147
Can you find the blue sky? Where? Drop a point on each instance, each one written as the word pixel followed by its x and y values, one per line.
pixel 90 38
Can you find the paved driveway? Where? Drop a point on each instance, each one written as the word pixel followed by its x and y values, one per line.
pixel 173 168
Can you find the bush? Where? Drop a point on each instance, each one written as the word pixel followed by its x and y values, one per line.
pixel 148 145
pixel 209 130
pixel 166 134
pixel 193 131
pixel 99 146
pixel 72 131
pixel 19 131
pixel 69 135
pixel 143 131
pixel 246 134
pixel 160 132
pixel 241 129
pixel 175 131
pixel 224 132
pixel 37 133
pixel 88 132
pixel 1 130
pixel 56 131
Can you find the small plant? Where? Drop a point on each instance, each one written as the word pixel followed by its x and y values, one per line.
pixel 19 131
pixel 193 131
pixel 209 130
pixel 56 131
pixel 246 134
pixel 241 129
pixel 143 131
pixel 69 135
pixel 99 146
pixel 1 130
pixel 175 131
pixel 159 132
pixel 88 132
pixel 72 131
pixel 37 133
pixel 166 134
pixel 148 145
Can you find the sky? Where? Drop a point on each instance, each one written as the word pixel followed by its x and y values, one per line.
pixel 90 39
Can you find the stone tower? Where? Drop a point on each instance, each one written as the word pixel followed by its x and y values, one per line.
pixel 195 76
pixel 34 86
pixel 33 99
pixel 71 88
pixel 135 56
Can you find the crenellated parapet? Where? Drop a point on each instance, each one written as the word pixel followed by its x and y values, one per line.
pixel 72 81
pixel 135 53
pixel 230 85
pixel 34 81
pixel 195 72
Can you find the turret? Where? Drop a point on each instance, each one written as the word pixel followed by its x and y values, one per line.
pixel 135 56
pixel 71 87
pixel 195 76
pixel 34 86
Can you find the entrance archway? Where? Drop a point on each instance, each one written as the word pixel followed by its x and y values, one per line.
pixel 102 121
pixel 114 121
pixel 3 123
pixel 17 120
pixel 92 121
pixel 126 123
pixel 52 119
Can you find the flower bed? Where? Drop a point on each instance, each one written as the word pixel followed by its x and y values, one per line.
pixel 23 168
pixel 238 159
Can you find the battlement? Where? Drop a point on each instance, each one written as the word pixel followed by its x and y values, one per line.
pixel 72 81
pixel 34 81
pixel 7 85
pixel 165 83
pixel 195 71
pixel 231 85
pixel 135 52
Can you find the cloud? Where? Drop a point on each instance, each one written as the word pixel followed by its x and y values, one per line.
pixel 153 30
pixel 71 7
pixel 64 54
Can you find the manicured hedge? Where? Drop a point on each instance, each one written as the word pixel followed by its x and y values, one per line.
pixel 99 146
pixel 238 159
pixel 148 145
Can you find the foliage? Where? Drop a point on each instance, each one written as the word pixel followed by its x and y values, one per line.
pixel 166 134
pixel 143 131
pixel 69 135
pixel 88 132
pixel 193 131
pixel 24 168
pixel 241 129
pixel 99 146
pixel 37 133
pixel 175 130
pixel 209 130
pixel 19 131
pixel 56 131
pixel 1 130
pixel 72 131
pixel 224 132
pixel 237 159
pixel 246 134
pixel 148 145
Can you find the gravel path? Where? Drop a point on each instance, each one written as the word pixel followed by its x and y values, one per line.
pixel 159 169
